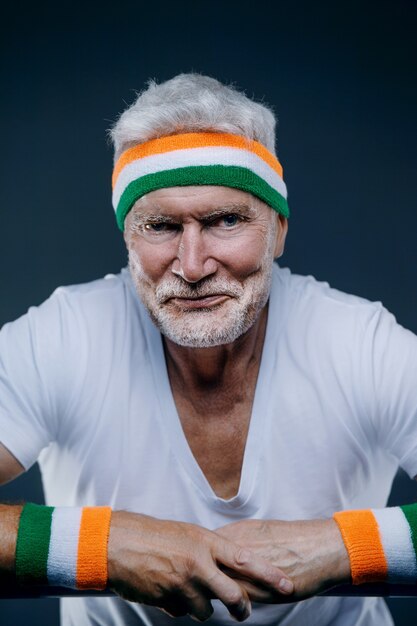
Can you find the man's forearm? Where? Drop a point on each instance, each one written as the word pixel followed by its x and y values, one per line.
pixel 310 552
pixel 176 566
pixel 9 524
pixel 378 545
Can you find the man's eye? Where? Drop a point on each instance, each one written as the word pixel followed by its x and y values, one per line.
pixel 229 220
pixel 157 227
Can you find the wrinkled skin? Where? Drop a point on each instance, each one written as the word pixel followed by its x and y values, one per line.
pixel 311 553
pixel 179 567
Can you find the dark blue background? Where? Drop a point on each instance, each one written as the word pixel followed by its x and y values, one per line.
pixel 342 78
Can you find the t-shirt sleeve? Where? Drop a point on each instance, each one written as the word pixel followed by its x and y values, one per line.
pixel 32 389
pixel 390 360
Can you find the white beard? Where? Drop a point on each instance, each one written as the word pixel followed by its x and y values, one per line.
pixel 204 327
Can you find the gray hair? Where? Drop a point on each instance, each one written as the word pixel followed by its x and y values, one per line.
pixel 192 103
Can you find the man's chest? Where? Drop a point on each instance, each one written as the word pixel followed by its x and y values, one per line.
pixel 284 452
pixel 216 433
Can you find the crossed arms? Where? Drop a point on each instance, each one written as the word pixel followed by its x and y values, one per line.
pixel 180 567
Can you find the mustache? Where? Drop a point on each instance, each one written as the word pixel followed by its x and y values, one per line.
pixel 177 288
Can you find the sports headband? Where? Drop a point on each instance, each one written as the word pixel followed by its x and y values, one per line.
pixel 197 159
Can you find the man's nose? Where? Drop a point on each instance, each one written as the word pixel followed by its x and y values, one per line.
pixel 193 261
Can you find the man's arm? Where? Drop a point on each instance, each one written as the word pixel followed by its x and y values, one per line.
pixel 9 516
pixel 10 467
pixel 9 523
pixel 374 545
pixel 312 553
pixel 178 567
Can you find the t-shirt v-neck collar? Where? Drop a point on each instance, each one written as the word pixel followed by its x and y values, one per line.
pixel 171 425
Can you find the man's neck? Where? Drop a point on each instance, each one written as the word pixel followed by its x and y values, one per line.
pixel 213 390
pixel 212 369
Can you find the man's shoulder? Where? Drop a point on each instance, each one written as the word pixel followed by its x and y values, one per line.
pixel 107 286
pixel 316 302
pixel 308 288
pixel 110 291
pixel 99 302
pixel 73 307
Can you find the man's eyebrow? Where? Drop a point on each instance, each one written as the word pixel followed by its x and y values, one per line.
pixel 140 218
pixel 243 209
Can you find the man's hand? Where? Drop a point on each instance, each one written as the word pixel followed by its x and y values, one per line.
pixel 179 567
pixel 311 553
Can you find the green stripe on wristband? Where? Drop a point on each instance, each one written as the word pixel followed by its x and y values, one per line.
pixel 410 512
pixel 33 544
pixel 226 175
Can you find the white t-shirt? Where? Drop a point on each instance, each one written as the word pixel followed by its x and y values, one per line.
pixel 84 389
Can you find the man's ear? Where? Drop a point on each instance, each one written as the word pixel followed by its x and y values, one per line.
pixel 282 229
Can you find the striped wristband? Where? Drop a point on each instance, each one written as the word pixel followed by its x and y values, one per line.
pixel 381 543
pixel 63 546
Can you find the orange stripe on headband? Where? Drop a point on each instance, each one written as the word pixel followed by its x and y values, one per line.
pixel 360 533
pixel 194 140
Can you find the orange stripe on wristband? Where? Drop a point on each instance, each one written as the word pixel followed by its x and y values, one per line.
pixel 92 548
pixel 362 540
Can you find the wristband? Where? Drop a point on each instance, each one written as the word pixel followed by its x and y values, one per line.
pixel 63 546
pixel 381 543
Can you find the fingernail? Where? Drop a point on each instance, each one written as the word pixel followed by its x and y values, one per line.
pixel 286 585
pixel 245 609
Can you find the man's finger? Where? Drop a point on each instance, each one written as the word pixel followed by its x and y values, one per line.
pixel 228 591
pixel 201 610
pixel 258 593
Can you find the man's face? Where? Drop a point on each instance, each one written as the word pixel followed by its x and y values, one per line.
pixel 201 260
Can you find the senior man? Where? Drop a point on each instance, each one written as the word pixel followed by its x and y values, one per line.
pixel 223 407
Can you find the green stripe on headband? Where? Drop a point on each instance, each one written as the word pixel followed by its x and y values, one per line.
pixel 225 175
pixel 33 544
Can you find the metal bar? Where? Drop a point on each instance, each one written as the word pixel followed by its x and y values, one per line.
pixel 374 590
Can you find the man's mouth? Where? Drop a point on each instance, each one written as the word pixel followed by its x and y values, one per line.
pixel 202 302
